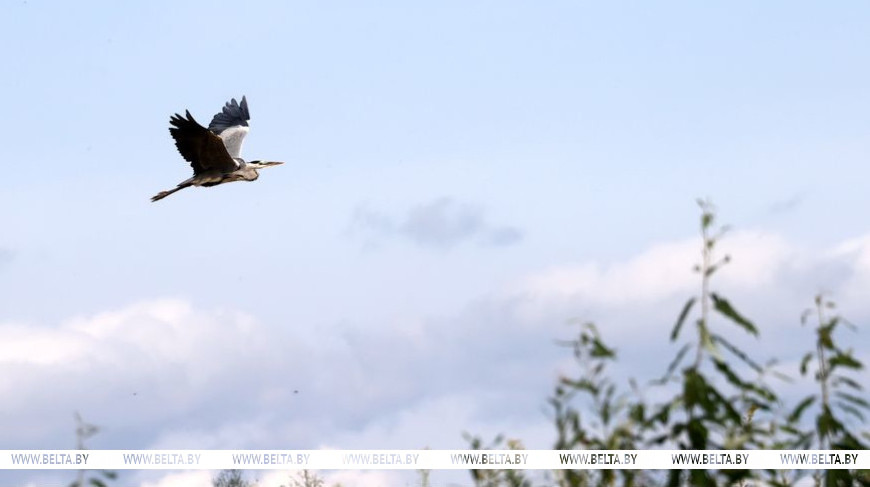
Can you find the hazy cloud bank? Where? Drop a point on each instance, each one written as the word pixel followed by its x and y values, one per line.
pixel 165 374
pixel 441 223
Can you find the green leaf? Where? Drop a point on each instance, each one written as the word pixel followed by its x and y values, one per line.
pixel 851 410
pixel 858 401
pixel 706 340
pixel 697 392
pixel 637 412
pixel 836 478
pixel 700 477
pixel 676 362
pixel 582 385
pixel 682 318
pixel 848 442
pixel 658 440
pixel 693 389
pixel 599 350
pixel 729 374
pixel 805 316
pixel 723 306
pixel 706 219
pixel 805 361
pixel 847 382
pixel 732 413
pixel 737 352
pixel 662 416
pixel 697 434
pixel 824 338
pixel 796 413
pixel 827 424
pixel 675 478
pixel 845 360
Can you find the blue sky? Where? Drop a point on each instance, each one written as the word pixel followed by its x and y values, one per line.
pixel 460 179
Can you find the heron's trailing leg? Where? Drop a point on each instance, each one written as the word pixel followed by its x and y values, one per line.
pixel 163 194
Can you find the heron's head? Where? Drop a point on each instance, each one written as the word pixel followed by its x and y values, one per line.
pixel 262 164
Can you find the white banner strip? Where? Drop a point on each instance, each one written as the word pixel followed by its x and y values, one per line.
pixel 431 459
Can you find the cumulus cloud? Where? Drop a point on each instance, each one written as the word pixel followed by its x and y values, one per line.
pixel 283 478
pixel 854 259
pixel 153 360
pixel 194 478
pixel 771 281
pixel 758 261
pixel 440 223
pixel 369 478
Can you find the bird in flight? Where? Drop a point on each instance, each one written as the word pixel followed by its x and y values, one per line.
pixel 214 153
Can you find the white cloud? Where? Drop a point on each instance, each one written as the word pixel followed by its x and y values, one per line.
pixel 662 271
pixel 192 478
pixel 856 254
pixel 152 360
pixel 279 478
pixel 364 478
pixel 164 330
pixel 420 425
pixel 768 279
pixel 53 346
pixel 649 277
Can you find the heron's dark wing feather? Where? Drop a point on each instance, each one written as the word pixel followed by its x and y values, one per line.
pixel 232 115
pixel 203 149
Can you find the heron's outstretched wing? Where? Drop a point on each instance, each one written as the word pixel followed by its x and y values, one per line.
pixel 231 124
pixel 203 149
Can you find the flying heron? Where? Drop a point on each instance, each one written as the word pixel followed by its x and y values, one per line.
pixel 213 153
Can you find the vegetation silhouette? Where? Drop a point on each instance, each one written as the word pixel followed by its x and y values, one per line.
pixel 718 400
pixel 717 397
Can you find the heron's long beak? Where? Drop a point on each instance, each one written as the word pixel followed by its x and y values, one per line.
pixel 271 163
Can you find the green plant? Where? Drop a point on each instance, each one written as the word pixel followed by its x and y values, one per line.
pixel 231 478
pixel 497 477
pixel 719 399
pixel 100 477
pixel 839 397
